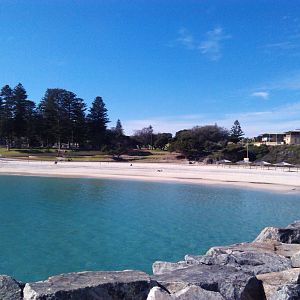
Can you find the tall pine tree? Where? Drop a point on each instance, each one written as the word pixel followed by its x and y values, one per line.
pixel 19 112
pixel 236 133
pixel 97 122
pixel 7 116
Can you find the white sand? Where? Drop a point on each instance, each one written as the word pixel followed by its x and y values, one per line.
pixel 276 180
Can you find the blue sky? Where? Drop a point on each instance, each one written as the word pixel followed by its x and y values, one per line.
pixel 172 64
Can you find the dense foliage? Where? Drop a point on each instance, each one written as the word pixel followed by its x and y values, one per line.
pixel 62 120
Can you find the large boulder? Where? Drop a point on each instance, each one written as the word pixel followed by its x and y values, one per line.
pixel 131 285
pixel 289 235
pixel 287 250
pixel 275 281
pixel 231 283
pixel 251 258
pixel 10 289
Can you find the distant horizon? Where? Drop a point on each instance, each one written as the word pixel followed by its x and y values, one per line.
pixel 173 65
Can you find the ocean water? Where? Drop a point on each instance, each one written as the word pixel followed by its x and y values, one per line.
pixel 54 225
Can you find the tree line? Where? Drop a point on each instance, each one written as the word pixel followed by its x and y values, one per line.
pixel 62 119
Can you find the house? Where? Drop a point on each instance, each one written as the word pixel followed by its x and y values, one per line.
pixel 270 139
pixel 292 137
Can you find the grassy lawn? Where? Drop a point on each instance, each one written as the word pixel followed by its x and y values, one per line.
pixel 51 155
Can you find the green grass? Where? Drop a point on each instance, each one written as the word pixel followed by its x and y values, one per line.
pixel 79 155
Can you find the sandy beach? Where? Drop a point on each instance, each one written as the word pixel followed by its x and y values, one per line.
pixel 274 180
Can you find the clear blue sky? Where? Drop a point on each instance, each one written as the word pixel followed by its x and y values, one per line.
pixel 172 64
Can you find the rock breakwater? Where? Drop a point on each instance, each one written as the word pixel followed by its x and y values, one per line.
pixel 266 269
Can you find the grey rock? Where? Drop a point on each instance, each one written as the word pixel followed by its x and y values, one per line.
pixel 296 260
pixel 287 292
pixel 157 293
pixel 287 250
pixel 131 285
pixel 194 292
pixel 228 281
pixel 160 267
pixel 289 235
pixel 274 281
pixel 10 289
pixel 252 258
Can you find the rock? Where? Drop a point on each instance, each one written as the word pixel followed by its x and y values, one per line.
pixel 295 224
pixel 296 260
pixel 287 250
pixel 10 289
pixel 131 285
pixel 289 235
pixel 194 292
pixel 228 281
pixel 160 267
pixel 191 292
pixel 258 247
pixel 287 292
pixel 158 293
pixel 252 258
pixel 274 281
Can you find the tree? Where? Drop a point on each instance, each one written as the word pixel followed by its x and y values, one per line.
pixel 62 115
pixel 7 106
pixel 31 125
pixel 161 140
pixel 119 128
pixel 49 109
pixel 97 120
pixel 236 133
pixel 78 122
pixel 199 141
pixel 144 137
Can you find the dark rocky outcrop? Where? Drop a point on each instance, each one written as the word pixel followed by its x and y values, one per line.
pixel 130 285
pixel 228 281
pixel 256 262
pixel 10 289
pixel 289 234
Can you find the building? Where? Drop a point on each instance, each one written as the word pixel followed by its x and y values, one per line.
pixel 292 137
pixel 270 139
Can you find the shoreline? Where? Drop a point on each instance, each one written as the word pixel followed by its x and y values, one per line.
pixel 255 179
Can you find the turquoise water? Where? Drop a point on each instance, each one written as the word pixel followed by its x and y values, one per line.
pixel 54 225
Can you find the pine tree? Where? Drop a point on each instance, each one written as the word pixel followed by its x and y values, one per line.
pixel 78 122
pixel 119 128
pixel 50 117
pixel 97 123
pixel 19 112
pixel 7 102
pixel 236 133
